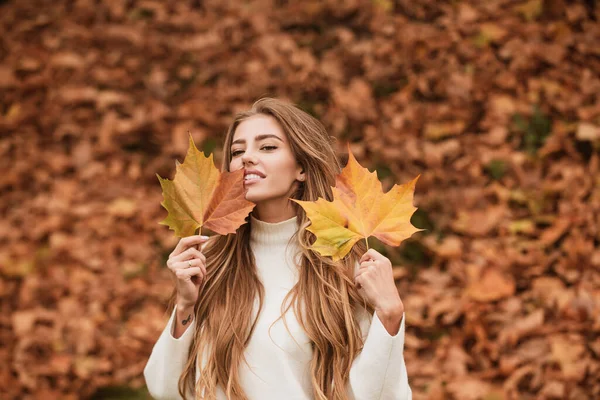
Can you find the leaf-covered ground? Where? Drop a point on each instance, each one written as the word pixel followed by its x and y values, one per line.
pixel 496 104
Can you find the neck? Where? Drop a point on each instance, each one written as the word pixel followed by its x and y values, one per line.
pixel 265 213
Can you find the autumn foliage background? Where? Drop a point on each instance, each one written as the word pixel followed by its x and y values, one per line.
pixel 495 103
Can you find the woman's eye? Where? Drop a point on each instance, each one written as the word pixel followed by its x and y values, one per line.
pixel 235 153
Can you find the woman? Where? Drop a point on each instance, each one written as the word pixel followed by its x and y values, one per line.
pixel 257 315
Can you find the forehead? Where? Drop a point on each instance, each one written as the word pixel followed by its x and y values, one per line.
pixel 258 125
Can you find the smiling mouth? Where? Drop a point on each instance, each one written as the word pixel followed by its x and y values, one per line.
pixel 252 178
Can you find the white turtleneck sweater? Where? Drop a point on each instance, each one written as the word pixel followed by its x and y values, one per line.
pixel 279 363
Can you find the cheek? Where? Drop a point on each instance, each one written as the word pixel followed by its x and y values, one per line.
pixel 288 165
pixel 234 165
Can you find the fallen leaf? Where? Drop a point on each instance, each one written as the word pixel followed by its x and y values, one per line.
pixel 122 207
pixel 526 226
pixel 356 100
pixel 7 77
pixel 521 328
pixel 67 60
pixel 478 222
pixel 440 130
pixel 201 196
pixel 490 33
pixel 530 10
pixel 587 131
pixel 553 390
pixel 491 286
pixel 469 388
pixel 568 351
pixel 23 321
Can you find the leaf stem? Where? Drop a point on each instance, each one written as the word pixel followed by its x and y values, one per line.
pixel 367 242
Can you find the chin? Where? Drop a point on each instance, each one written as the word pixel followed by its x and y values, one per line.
pixel 258 198
pixel 253 198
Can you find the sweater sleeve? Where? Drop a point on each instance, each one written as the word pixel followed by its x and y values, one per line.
pixel 167 361
pixel 379 371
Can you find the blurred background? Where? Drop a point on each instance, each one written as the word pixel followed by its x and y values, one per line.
pixel 496 104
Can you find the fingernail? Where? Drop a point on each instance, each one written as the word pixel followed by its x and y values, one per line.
pixel 203 237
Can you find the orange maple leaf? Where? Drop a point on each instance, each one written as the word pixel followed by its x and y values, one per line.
pixel 201 196
pixel 360 209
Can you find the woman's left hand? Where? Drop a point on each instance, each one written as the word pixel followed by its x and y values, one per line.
pixel 376 284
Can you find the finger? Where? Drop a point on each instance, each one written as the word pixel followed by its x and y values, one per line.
pixel 201 265
pixel 370 254
pixel 197 263
pixel 193 242
pixel 189 272
pixel 360 272
pixel 176 266
pixel 180 257
pixel 189 254
pixel 202 246
pixel 200 255
pixel 194 262
pixel 366 268
pixel 187 242
pixel 367 264
pixel 359 280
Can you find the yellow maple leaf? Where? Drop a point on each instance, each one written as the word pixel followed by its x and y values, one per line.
pixel 201 196
pixel 359 210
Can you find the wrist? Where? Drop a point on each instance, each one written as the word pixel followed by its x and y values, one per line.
pixel 391 317
pixel 391 311
pixel 184 317
pixel 184 306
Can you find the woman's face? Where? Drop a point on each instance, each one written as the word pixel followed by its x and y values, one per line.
pixel 259 144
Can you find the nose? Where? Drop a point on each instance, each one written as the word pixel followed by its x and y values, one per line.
pixel 248 157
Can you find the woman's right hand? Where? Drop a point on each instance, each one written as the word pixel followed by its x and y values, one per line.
pixel 189 266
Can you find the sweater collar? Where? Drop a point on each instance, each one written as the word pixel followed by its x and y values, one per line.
pixel 267 233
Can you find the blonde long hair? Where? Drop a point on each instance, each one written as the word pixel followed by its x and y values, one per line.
pixel 325 299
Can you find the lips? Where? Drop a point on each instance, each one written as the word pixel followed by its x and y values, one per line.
pixel 253 172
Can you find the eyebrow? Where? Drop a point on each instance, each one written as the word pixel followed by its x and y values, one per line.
pixel 259 137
